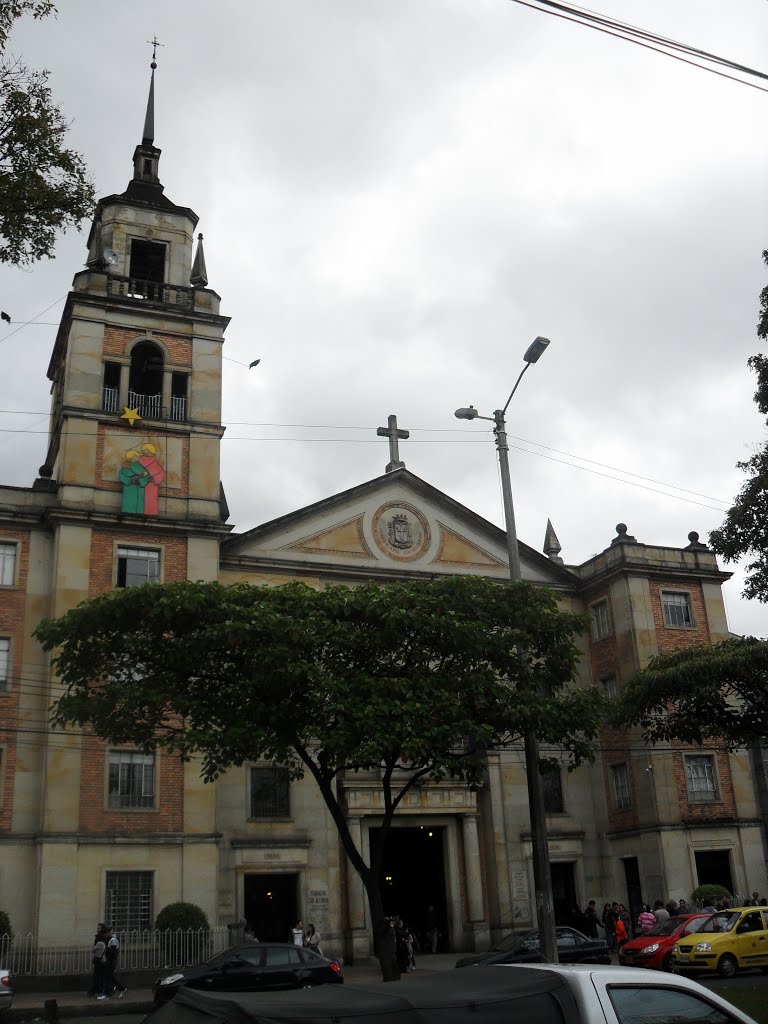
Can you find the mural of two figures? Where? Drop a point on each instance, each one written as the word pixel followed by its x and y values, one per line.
pixel 141 477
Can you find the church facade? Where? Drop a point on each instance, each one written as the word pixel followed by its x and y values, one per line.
pixel 129 493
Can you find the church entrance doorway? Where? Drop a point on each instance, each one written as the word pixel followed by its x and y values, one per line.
pixel 563 891
pixel 713 867
pixel 270 905
pixel 413 879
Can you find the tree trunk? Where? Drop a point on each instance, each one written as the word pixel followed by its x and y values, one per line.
pixel 385 946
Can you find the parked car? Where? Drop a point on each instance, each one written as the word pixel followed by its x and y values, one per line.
pixel 6 990
pixel 507 994
pixel 654 949
pixel 255 966
pixel 729 941
pixel 523 948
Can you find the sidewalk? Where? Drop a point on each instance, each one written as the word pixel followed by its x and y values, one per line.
pixel 28 1006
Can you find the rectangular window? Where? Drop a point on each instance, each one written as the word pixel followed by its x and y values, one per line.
pixel 610 687
pixel 147 260
pixel 620 786
pixel 270 790
pixel 5 663
pixel 110 394
pixel 136 566
pixel 601 620
pixel 128 900
pixel 131 779
pixel 700 774
pixel 677 609
pixel 7 564
pixel 553 793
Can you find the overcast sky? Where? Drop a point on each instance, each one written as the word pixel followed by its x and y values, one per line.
pixel 397 196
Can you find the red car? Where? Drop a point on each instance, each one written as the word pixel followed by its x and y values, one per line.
pixel 655 949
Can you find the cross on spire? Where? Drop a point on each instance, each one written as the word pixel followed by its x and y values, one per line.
pixel 394 435
pixel 154 42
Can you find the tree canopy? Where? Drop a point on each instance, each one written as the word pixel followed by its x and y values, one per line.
pixel 44 186
pixel 745 530
pixel 700 694
pixel 411 680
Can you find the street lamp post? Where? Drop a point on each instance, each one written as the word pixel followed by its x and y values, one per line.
pixel 542 879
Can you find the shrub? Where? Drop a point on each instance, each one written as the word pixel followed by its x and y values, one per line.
pixel 5 925
pixel 709 894
pixel 181 915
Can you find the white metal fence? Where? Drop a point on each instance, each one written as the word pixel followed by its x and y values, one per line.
pixel 139 950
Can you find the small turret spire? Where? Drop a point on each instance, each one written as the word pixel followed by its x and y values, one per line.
pixel 552 546
pixel 199 275
pixel 146 156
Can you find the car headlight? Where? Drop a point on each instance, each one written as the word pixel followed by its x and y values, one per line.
pixel 703 947
pixel 675 948
pixel 172 979
pixel 650 949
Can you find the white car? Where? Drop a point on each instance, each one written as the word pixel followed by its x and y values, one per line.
pixel 631 995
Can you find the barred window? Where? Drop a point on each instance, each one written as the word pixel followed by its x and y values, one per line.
pixel 7 564
pixel 270 790
pixel 131 779
pixel 700 774
pixel 677 609
pixel 553 793
pixel 601 620
pixel 136 566
pixel 620 786
pixel 5 662
pixel 128 900
pixel 610 687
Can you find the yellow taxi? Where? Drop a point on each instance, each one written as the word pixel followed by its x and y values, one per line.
pixel 731 940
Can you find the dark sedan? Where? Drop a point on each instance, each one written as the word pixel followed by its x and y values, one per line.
pixel 523 948
pixel 254 967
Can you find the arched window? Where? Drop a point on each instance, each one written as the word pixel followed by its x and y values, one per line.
pixel 145 380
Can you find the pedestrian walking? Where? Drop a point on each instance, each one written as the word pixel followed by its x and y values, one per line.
pixel 98 962
pixel 111 981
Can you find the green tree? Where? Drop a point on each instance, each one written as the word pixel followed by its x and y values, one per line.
pixel 44 187
pixel 412 681
pixel 745 530
pixel 701 694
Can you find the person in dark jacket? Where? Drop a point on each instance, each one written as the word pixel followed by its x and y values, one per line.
pixel 591 920
pixel 98 962
pixel 112 983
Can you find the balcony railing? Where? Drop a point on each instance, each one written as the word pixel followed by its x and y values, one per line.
pixel 150 407
pixel 151 291
pixel 109 399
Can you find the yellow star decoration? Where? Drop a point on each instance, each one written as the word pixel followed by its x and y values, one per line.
pixel 131 415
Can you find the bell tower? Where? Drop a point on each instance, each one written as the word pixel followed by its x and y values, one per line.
pixel 136 366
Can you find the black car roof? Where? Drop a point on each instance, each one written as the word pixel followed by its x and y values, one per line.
pixel 489 994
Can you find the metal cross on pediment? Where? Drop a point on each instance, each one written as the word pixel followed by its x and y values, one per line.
pixel 394 436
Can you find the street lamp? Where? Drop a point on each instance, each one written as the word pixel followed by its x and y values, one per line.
pixel 542 880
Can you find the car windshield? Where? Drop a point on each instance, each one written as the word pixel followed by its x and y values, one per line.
pixel 517 940
pixel 668 927
pixel 722 922
pixel 221 958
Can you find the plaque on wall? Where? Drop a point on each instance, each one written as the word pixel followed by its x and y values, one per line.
pixel 401 531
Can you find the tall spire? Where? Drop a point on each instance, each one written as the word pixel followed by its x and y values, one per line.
pixel 552 547
pixel 149 120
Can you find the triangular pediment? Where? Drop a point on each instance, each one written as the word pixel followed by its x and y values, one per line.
pixel 394 525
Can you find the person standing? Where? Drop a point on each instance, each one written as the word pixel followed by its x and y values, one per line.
pixel 591 920
pixel 609 924
pixel 312 939
pixel 111 954
pixel 646 921
pixel 660 912
pixel 626 919
pixel 297 934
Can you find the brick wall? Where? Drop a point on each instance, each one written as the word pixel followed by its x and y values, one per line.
pixel 135 436
pixel 670 638
pixel 95 815
pixel 721 809
pixel 12 602
pixel 118 340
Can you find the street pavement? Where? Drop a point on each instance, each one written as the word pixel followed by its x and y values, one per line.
pixel 30 1006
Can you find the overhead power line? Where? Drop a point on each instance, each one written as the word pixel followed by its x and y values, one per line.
pixel 684 52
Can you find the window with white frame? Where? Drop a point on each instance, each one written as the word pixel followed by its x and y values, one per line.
pixel 5 663
pixel 601 620
pixel 128 900
pixel 620 787
pixel 131 781
pixel 701 779
pixel 270 792
pixel 136 566
pixel 677 609
pixel 7 563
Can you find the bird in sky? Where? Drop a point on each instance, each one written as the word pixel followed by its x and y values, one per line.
pixel 254 363
pixel 4 316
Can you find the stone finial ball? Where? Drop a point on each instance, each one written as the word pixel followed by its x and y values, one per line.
pixel 621 528
pixel 693 537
